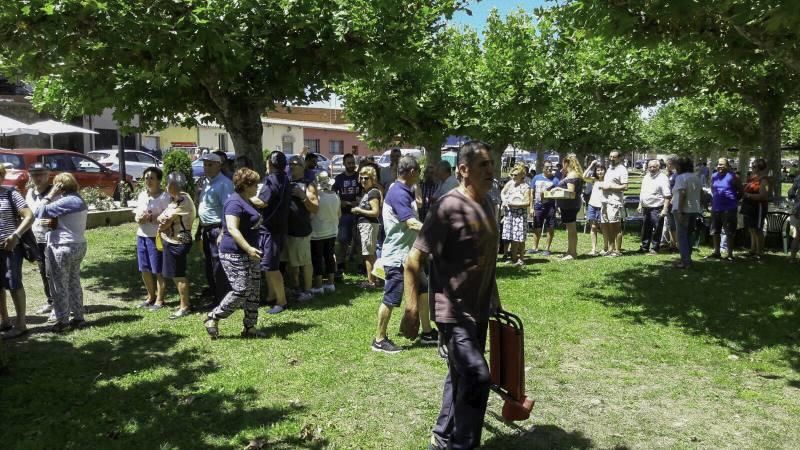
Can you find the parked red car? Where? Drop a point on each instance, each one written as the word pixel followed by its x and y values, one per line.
pixel 87 171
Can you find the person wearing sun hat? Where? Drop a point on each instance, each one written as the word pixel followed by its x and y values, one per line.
pixel 324 228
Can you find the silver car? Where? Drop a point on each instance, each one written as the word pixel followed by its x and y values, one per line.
pixel 135 161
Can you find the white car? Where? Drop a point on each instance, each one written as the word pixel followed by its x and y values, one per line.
pixel 135 161
pixel 386 159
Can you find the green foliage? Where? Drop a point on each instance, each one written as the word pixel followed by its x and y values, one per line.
pixel 97 198
pixel 190 61
pixel 703 125
pixel 178 161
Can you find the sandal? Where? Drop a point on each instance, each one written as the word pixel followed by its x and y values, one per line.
pixel 252 333
pixel 211 327
pixel 15 333
pixel 180 313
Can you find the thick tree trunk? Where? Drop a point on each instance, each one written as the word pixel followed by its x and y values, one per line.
pixel 244 125
pixel 433 152
pixel 743 161
pixel 770 110
pixel 539 158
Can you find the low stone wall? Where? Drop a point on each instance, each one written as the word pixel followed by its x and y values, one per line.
pixel 109 218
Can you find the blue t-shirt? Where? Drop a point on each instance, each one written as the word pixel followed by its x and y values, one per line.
pixel 275 193
pixel 723 192
pixel 539 184
pixel 399 206
pixel 249 224
pixel 213 194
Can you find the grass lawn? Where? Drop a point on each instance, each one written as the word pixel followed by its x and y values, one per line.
pixel 621 353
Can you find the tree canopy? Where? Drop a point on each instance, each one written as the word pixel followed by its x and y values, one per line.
pixel 188 60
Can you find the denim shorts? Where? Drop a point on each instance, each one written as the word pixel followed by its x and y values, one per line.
pixel 11 268
pixel 271 248
pixel 174 260
pixel 393 289
pixel 544 215
pixel 593 214
pixel 148 256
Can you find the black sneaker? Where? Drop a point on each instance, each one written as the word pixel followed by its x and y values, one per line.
pixel 431 338
pixel 385 346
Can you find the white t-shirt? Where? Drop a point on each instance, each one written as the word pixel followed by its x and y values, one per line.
pixel 615 175
pixel 654 190
pixel 325 223
pixel 687 185
pixel 598 196
pixel 156 205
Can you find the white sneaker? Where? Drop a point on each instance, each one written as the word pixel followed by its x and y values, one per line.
pixel 44 309
pixel 329 288
pixel 317 291
pixel 52 317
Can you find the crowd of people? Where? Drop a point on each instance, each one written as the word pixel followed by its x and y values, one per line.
pixel 670 206
pixel 430 238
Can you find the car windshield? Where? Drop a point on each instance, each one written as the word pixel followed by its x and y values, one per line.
pixel 98 155
pixel 385 159
pixel 15 161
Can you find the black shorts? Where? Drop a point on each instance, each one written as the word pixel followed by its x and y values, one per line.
pixel 271 246
pixel 393 289
pixel 727 220
pixel 173 264
pixel 569 215
pixel 544 215
pixel 753 215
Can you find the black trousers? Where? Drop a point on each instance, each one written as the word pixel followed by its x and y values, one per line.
pixel 215 274
pixel 323 257
pixel 652 228
pixel 42 263
pixel 466 387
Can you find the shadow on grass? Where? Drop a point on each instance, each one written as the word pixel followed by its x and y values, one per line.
pixel 540 437
pixel 129 392
pixel 272 331
pixel 746 306
pixel 119 279
pixel 507 272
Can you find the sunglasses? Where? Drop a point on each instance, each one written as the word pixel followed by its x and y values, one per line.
pixel 363 178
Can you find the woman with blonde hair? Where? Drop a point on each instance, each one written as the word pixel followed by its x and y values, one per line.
pixel 368 211
pixel 516 197
pixel 572 185
pixel 66 248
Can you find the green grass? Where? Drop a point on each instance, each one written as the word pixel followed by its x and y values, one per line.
pixel 623 353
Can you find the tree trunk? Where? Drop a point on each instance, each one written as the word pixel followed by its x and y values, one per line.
pixel 539 158
pixel 244 125
pixel 743 162
pixel 770 110
pixel 433 152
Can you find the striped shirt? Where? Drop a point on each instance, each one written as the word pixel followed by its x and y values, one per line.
pixel 8 220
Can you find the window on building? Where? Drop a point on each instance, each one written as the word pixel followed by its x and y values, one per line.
pixel 288 148
pixel 312 144
pixel 222 139
pixel 337 147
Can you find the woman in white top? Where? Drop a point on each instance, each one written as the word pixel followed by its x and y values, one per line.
pixel 686 209
pixel 324 228
pixel 516 197
pixel 149 205
pixel 594 174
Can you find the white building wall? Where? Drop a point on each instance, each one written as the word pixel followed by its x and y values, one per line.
pixel 289 139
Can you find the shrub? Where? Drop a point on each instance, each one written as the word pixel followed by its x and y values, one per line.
pixel 97 198
pixel 178 161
